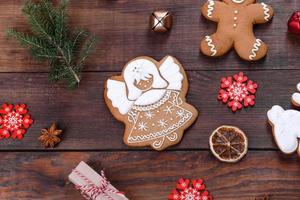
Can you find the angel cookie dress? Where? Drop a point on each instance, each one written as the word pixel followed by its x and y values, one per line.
pixel 151 102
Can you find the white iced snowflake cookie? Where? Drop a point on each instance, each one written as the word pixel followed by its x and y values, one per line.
pixel 296 97
pixel 149 98
pixel 286 128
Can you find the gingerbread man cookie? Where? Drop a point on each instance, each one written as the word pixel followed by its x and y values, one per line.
pixel 235 20
pixel 149 98
pixel 286 128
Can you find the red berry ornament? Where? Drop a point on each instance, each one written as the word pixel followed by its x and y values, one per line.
pixel 237 92
pixel 294 23
pixel 14 121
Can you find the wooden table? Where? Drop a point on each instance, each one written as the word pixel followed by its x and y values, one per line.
pixel 28 171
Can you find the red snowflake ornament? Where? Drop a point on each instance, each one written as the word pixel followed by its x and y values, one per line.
pixel 14 121
pixel 190 190
pixel 237 92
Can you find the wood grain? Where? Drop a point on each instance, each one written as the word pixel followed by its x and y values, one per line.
pixel 88 124
pixel 150 175
pixel 29 172
pixel 123 30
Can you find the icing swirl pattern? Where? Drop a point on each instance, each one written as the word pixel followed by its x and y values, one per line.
pixel 256 46
pixel 210 8
pixel 212 46
pixel 266 11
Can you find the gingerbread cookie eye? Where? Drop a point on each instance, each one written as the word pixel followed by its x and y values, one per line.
pixel 238 1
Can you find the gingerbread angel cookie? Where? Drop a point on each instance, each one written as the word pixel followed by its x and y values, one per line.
pixel 149 98
pixel 286 128
pixel 235 20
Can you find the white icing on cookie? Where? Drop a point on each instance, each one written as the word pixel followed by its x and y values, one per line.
pixel 266 11
pixel 210 8
pixel 170 71
pixel 237 1
pixel 116 92
pixel 296 96
pixel 211 45
pixel 141 69
pixel 286 128
pixel 172 137
pixel 235 18
pixel 256 46
pixel 168 76
pixel 150 97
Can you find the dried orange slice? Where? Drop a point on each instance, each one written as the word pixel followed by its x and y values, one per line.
pixel 228 144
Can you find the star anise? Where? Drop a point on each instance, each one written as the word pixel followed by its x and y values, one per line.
pixel 49 137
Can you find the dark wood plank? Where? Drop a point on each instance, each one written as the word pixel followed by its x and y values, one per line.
pixel 150 175
pixel 89 125
pixel 122 27
pixel 123 30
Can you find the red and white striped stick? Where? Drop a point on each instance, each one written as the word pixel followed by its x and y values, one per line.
pixel 92 185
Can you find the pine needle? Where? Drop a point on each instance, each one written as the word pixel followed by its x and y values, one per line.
pixel 52 40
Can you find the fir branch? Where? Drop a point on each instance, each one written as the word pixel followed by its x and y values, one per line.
pixel 78 38
pixel 51 40
pixel 25 39
pixel 86 51
pixel 49 10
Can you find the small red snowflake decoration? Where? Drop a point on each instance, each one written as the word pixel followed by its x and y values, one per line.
pixel 190 190
pixel 14 121
pixel 236 91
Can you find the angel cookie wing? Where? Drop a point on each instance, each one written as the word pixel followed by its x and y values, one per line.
pixel 170 71
pixel 116 93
